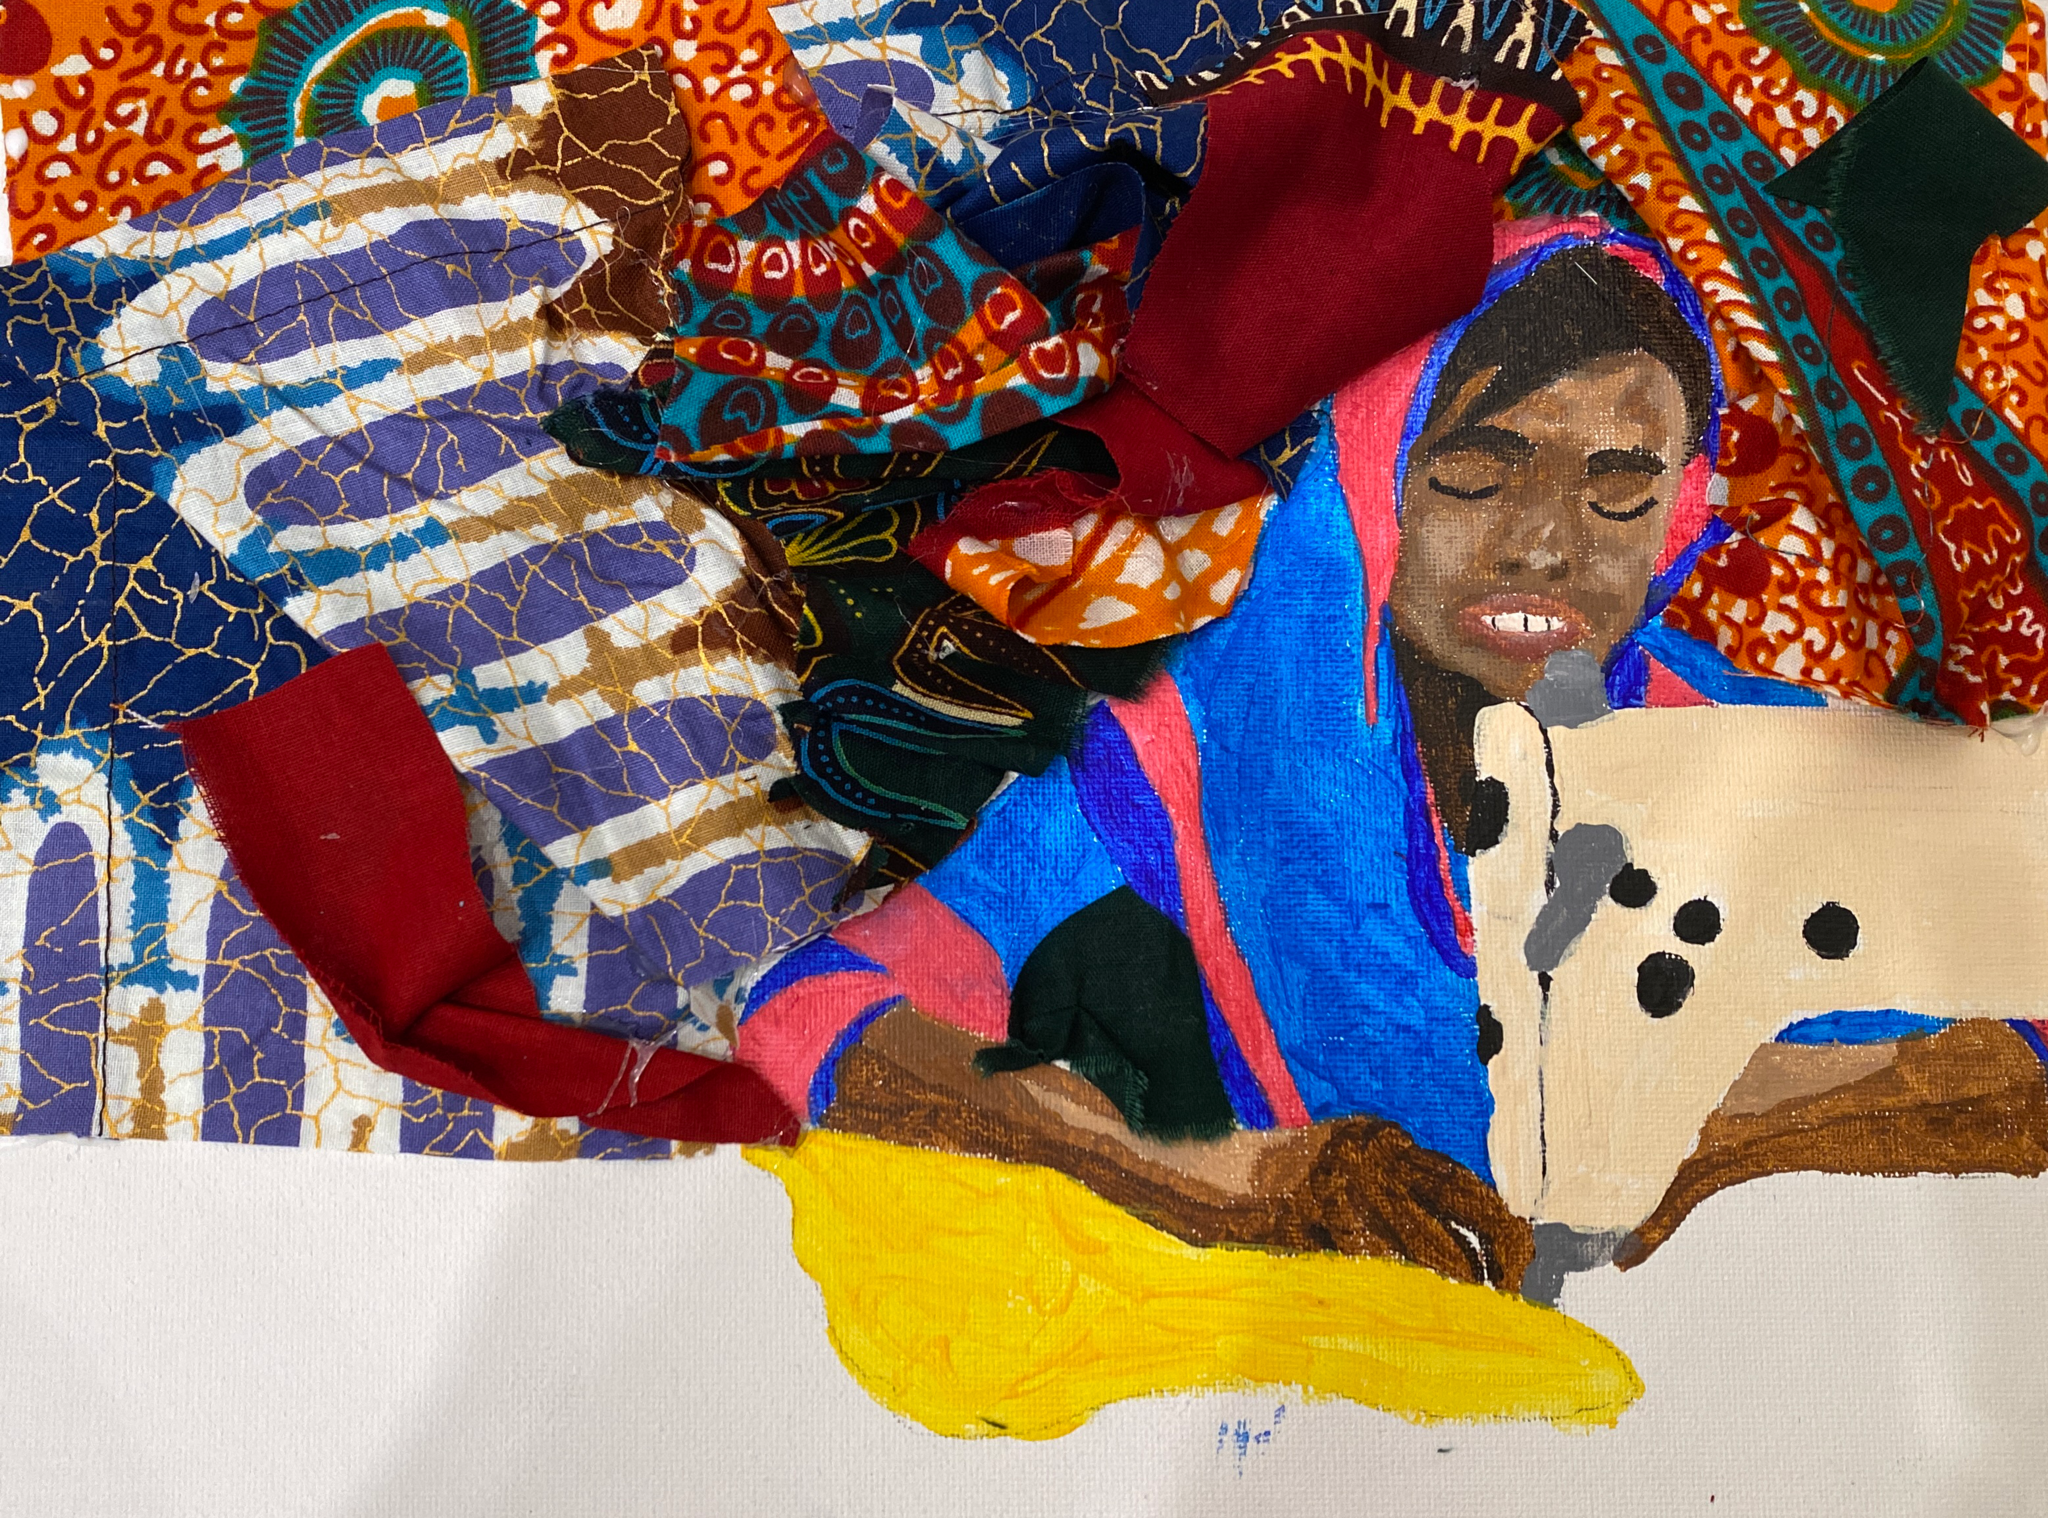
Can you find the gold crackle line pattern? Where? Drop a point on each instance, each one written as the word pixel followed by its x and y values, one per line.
pixel 203 1026
pixel 423 508
pixel 206 372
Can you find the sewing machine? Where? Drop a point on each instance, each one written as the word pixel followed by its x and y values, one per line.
pixel 1674 888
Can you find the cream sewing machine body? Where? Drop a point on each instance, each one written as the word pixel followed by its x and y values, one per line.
pixel 1673 888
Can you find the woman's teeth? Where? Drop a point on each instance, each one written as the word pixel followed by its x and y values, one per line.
pixel 1523 622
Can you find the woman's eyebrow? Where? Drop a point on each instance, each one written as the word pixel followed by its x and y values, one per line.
pixel 1624 461
pixel 1508 447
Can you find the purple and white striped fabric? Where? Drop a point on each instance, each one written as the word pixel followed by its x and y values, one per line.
pixel 366 339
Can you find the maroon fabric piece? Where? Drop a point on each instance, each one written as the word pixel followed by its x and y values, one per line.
pixel 344 819
pixel 1325 234
pixel 1009 509
pixel 1164 470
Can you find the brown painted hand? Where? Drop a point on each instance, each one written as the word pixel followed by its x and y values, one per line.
pixel 1372 1190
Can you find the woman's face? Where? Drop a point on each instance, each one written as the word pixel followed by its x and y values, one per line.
pixel 1535 529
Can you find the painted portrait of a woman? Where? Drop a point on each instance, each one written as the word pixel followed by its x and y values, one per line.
pixel 1219 964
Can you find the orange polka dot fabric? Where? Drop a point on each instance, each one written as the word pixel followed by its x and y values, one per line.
pixel 1112 578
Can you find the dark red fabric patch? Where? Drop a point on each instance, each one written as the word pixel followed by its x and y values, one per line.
pixel 1163 469
pixel 1325 234
pixel 343 817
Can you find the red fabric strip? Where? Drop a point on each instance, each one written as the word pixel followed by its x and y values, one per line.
pixel 344 818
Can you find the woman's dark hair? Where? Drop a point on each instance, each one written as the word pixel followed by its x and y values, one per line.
pixel 1577 306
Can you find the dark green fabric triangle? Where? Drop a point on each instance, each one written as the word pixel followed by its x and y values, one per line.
pixel 1116 993
pixel 1913 185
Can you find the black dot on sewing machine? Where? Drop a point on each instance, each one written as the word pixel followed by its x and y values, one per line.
pixel 1663 982
pixel 1698 921
pixel 1488 817
pixel 1632 887
pixel 1832 931
pixel 1491 1034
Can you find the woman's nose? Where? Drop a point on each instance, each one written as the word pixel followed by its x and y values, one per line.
pixel 1530 537
pixel 1533 559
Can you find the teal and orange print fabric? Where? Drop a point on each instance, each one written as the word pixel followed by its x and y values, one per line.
pixel 839 311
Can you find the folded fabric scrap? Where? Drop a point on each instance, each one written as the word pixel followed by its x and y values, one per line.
pixel 1035 125
pixel 1062 560
pixel 840 508
pixel 839 312
pixel 918 705
pixel 1332 170
pixel 923 692
pixel 1024 147
pixel 363 867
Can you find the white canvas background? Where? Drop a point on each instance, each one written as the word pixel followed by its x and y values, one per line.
pixel 190 1329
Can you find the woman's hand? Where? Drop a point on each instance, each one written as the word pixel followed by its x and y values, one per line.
pixel 1373 1190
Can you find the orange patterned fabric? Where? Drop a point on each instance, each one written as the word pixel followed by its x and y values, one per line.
pixel 126 116
pixel 1795 595
pixel 1800 596
pixel 750 110
pixel 1112 578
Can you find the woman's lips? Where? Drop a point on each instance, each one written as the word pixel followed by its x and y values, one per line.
pixel 1524 628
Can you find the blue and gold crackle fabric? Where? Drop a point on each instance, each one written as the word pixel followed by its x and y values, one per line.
pixel 298 413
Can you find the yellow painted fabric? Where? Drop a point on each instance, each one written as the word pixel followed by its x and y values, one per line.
pixel 980 1298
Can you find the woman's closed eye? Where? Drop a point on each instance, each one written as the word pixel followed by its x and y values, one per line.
pixel 1621 501
pixel 1473 463
pixel 1478 493
pixel 1468 477
pixel 1622 483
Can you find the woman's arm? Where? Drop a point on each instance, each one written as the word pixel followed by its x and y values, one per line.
pixel 1358 1185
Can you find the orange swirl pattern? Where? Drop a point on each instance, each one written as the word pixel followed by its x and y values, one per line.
pixel 1619 132
pixel 2005 327
pixel 1795 595
pixel 1798 596
pixel 125 118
